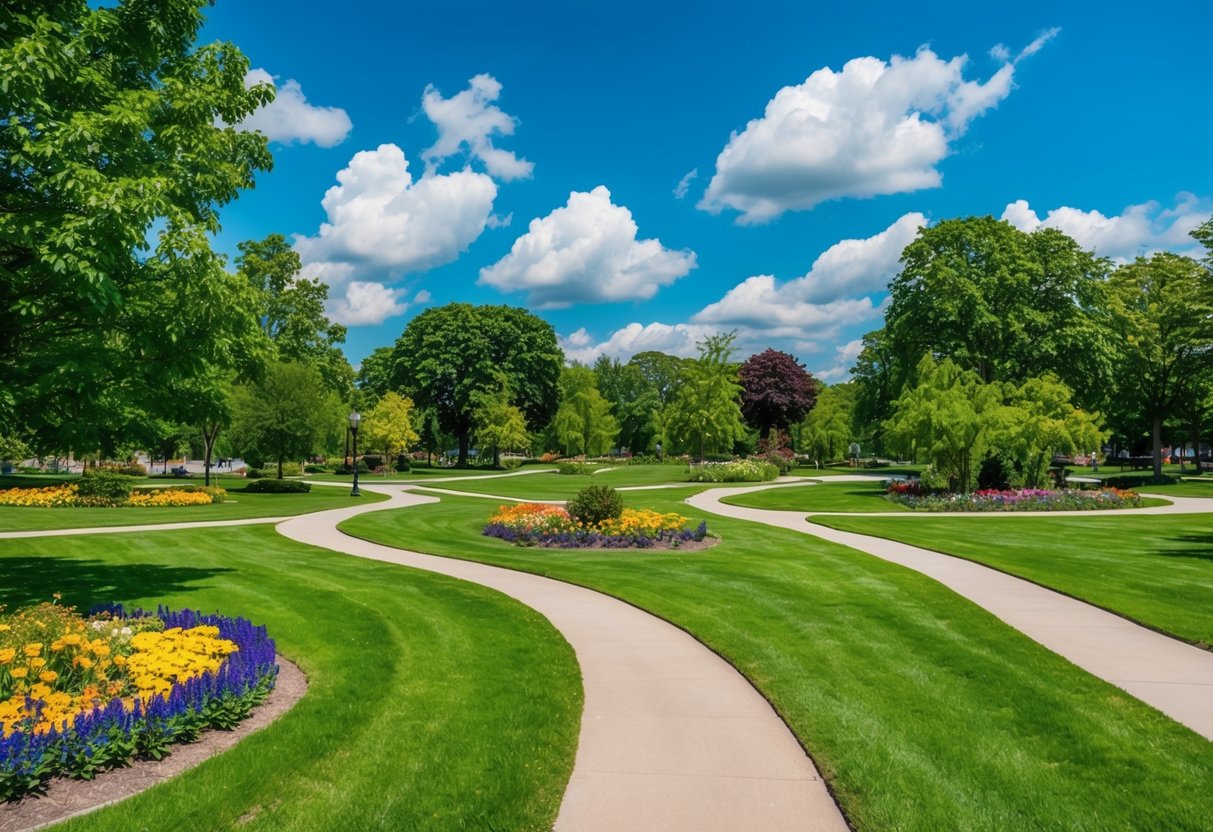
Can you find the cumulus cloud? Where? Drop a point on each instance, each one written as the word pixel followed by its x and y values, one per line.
pixel 290 118
pixel 684 184
pixel 871 128
pixel 381 219
pixel 1138 229
pixel 675 339
pixel 586 252
pixel 832 288
pixel 423 296
pixel 467 123
pixel 844 361
pixel 366 303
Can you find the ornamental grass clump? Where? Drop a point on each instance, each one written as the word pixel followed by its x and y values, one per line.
pixel 79 694
pixel 914 496
pixel 535 524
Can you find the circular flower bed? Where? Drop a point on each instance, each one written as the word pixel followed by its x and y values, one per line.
pixel 912 495
pixel 68 495
pixel 537 524
pixel 80 694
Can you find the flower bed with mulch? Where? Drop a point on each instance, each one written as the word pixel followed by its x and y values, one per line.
pixel 912 495
pixel 81 694
pixel 538 524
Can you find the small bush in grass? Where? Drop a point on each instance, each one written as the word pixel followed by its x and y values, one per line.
pixel 403 464
pixel 268 486
pixel 574 468
pixel 316 469
pixel 108 485
pixel 596 503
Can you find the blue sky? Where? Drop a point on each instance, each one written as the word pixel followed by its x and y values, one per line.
pixel 545 143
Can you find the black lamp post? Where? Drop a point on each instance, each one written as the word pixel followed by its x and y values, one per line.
pixel 355 418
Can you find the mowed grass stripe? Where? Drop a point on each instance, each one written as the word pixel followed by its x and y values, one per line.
pixel 922 710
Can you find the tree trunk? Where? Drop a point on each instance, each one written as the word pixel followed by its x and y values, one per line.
pixel 1194 439
pixel 462 462
pixel 280 467
pixel 209 434
pixel 1157 436
pixel 496 457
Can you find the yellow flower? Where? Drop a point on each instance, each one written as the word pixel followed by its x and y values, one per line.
pixel 20 672
pixel 32 649
pixel 7 654
pixel 48 676
pixel 37 663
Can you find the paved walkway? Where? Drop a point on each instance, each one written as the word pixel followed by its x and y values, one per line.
pixel 1172 676
pixel 673 738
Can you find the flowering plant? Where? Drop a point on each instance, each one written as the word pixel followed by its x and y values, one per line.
pixel 80 694
pixel 68 494
pixel 741 470
pixel 1022 499
pixel 550 525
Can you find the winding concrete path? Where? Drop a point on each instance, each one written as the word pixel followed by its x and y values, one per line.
pixel 1172 676
pixel 673 738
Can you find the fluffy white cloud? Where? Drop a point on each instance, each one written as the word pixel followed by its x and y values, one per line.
pixel 872 128
pixel 844 360
pixel 675 339
pixel 586 252
pixel 381 219
pixel 1138 229
pixel 467 122
pixel 290 118
pixel 365 304
pixel 830 290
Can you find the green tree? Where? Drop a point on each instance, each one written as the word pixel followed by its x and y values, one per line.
pixel 633 399
pixel 374 376
pixel 946 415
pixel 1037 421
pixel 388 427
pixel 291 310
pixel 110 132
pixel 288 414
pixel 827 430
pixel 584 424
pixel 500 424
pixel 429 432
pixel 704 414
pixel 1162 312
pixel 449 356
pixel 1002 303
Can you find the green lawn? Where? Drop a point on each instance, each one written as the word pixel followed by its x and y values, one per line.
pixel 1157 570
pixel 840 470
pixel 238 505
pixel 554 486
pixel 422 473
pixel 923 711
pixel 433 704
pixel 839 496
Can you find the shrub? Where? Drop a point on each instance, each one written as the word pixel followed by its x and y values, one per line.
pixel 269 486
pixel 373 461
pixel 316 469
pixel 346 470
pixel 530 524
pixel 106 485
pixel 745 470
pixel 1137 481
pixel 130 469
pixel 596 503
pixel 993 474
pixel 403 464
pixel 574 468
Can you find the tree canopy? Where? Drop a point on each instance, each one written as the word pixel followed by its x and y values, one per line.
pixel 776 391
pixel 388 426
pixel 110 131
pixel 703 415
pixel 287 414
pixel 584 424
pixel 450 356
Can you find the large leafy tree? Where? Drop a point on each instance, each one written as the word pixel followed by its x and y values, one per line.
pixel 1003 303
pixel 776 391
pixel 633 397
pixel 287 414
pixel 1162 312
pixel 109 131
pixel 450 356
pixel 291 310
pixel 500 424
pixel 704 415
pixel 827 429
pixel 1039 420
pixel 584 424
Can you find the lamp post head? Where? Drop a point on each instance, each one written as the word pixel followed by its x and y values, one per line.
pixel 355 418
